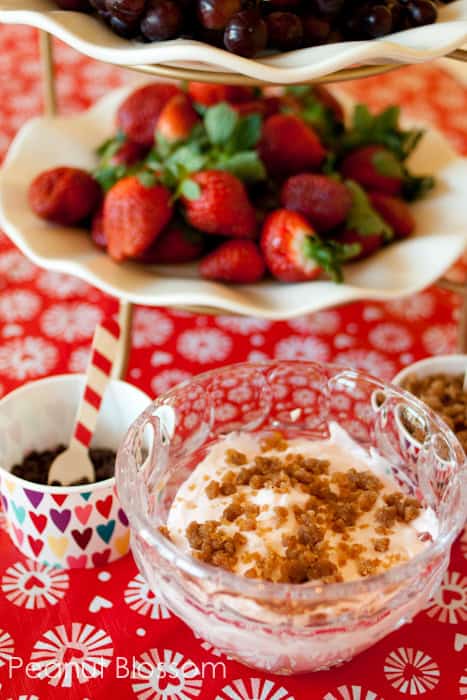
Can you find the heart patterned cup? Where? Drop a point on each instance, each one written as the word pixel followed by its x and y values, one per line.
pixel 74 526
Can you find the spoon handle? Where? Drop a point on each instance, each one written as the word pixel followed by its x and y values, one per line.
pixel 103 352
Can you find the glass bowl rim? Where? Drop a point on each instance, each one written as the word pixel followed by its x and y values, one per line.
pixel 230 583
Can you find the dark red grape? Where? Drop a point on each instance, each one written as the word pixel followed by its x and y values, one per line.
pixel 377 22
pixel 76 5
pixel 126 29
pixel 214 14
pixel 98 5
pixel 246 34
pixel 421 12
pixel 329 8
pixel 316 30
pixel 162 20
pixel 125 10
pixel 285 30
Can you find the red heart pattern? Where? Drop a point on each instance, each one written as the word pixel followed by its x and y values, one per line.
pixel 82 538
pixel 36 545
pixel 104 506
pixel 39 521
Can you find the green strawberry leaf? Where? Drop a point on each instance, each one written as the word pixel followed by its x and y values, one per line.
pixel 189 189
pixel 108 175
pixel 246 134
pixel 330 255
pixel 362 218
pixel 416 186
pixel 298 90
pixel 382 129
pixel 220 122
pixel 146 178
pixel 110 147
pixel 186 159
pixel 387 164
pixel 245 165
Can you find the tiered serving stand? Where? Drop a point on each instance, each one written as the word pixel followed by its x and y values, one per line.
pixel 208 73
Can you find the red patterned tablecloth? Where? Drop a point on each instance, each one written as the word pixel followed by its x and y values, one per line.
pixel 46 322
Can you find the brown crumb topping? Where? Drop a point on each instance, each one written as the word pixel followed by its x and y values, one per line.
pixel 332 503
pixel 444 394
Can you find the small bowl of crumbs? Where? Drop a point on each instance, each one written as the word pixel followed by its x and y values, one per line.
pixel 76 526
pixel 280 514
pixel 439 383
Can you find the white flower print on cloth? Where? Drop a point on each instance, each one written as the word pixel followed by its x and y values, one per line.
pixel 463 683
pixel 411 671
pixel 297 348
pixel 167 677
pixel 71 322
pixel 321 322
pixel 390 337
pixel 352 692
pixel 19 305
pixel 70 654
pixel 79 359
pixel 58 285
pixel 204 345
pixel 140 598
pixel 449 603
pixel 254 689
pixel 150 327
pixel 33 586
pixel 14 267
pixel 7 647
pixel 26 358
pixel 413 308
pixel 159 357
pixel 242 325
pixel 440 340
pixel 167 379
pixel 368 361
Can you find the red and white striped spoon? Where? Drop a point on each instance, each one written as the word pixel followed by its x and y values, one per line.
pixel 74 465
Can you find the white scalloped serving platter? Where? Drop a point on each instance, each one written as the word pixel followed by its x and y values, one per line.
pixel 396 271
pixel 90 36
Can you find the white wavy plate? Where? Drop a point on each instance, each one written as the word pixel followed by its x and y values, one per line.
pixel 398 270
pixel 90 36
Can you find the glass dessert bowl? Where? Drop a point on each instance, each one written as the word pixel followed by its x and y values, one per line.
pixel 276 626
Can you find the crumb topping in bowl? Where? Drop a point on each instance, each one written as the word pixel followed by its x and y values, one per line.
pixel 294 511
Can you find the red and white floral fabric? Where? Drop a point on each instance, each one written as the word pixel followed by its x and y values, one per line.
pixel 97 623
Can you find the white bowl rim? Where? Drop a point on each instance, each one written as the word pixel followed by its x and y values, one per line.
pixel 448 364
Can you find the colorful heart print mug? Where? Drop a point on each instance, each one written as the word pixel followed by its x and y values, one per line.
pixel 74 526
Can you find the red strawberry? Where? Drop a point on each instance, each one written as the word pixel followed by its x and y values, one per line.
pixel 375 168
pixel 134 215
pixel 324 201
pixel 267 106
pixel 285 238
pixel 289 146
pixel 138 114
pixel 395 212
pixel 177 119
pixel 64 195
pixel 176 244
pixel 368 244
pixel 97 228
pixel 222 207
pixel 210 94
pixel 237 261
pixel 129 153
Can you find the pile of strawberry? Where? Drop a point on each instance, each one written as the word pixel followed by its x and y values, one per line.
pixel 245 182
